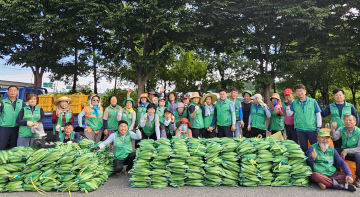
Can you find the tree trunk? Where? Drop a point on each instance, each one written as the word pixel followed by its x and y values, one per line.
pixel 353 92
pixel 266 93
pixel 222 78
pixel 142 77
pixel 115 84
pixel 75 77
pixel 95 72
pixel 38 75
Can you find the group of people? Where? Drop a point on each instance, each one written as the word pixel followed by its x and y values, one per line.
pixel 155 116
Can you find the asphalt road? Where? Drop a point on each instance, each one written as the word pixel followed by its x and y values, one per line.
pixel 118 186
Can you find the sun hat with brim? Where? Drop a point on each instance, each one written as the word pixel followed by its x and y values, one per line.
pixel 184 120
pixel 214 98
pixel 129 99
pixel 162 98
pixel 63 98
pixel 323 133
pixel 185 97
pixel 152 92
pixel 195 95
pixel 247 91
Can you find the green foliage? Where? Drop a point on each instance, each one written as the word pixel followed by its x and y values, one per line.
pixel 120 95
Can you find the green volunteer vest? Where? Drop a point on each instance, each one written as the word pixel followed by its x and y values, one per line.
pixel 122 146
pixel 198 121
pixel 127 117
pixel 62 136
pixel 112 118
pixel 258 118
pixel 9 114
pixel 352 140
pixel 68 116
pixel 237 108
pixel 178 117
pixel 149 127
pixel 276 122
pixel 223 113
pixel 141 110
pixel 172 132
pixel 186 113
pixel 95 123
pixel 208 119
pixel 35 116
pixel 186 134
pixel 324 161
pixel 160 113
pixel 304 118
pixel 335 116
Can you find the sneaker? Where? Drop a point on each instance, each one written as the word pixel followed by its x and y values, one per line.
pixel 322 186
pixel 357 183
pixel 351 188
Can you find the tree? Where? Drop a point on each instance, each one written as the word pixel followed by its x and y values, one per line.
pixel 33 37
pixel 145 34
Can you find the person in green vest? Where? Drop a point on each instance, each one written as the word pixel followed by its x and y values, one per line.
pixel 224 116
pixel 123 152
pixel 208 110
pixel 324 161
pixel 29 117
pixel 350 137
pixel 141 110
pixel 307 117
pixel 61 115
pixel 110 122
pixel 168 127
pixel 195 115
pixel 277 114
pixel 93 119
pixel 128 113
pixel 259 112
pixel 179 113
pixel 68 135
pixel 161 108
pixel 184 130
pixel 9 110
pixel 234 93
pixel 186 101
pixel 338 110
pixel 150 123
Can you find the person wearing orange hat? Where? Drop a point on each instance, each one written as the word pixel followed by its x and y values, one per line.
pixel 143 103
pixel 184 130
pixel 195 115
pixel 289 119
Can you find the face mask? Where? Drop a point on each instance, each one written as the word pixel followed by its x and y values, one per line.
pixel 184 127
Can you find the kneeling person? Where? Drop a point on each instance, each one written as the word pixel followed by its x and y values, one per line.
pixel 350 146
pixel 324 160
pixel 123 153
pixel 68 135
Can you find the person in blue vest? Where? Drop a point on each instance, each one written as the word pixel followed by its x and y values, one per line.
pixel 29 117
pixel 325 162
pixel 350 146
pixel 338 110
pixel 123 152
pixel 307 117
pixel 9 110
pixel 224 116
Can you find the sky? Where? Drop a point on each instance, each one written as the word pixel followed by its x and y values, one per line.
pixel 16 73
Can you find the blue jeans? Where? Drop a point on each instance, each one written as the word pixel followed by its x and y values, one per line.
pixel 25 141
pixel 238 131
